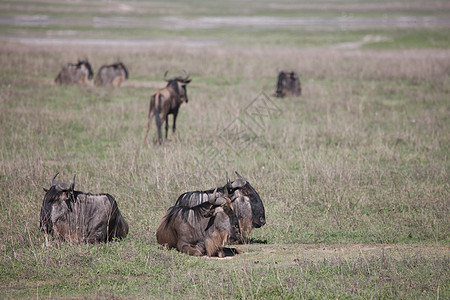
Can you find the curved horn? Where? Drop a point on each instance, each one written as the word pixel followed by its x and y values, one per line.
pixel 72 184
pixel 51 181
pixel 238 174
pixel 212 198
pixel 187 75
pixel 228 181
pixel 165 74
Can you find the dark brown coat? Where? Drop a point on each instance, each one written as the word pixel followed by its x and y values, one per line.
pixel 111 75
pixel 203 229
pixel 73 74
pixel 79 217
pixel 167 101
pixel 247 204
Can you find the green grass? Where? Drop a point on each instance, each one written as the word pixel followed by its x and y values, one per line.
pixel 353 174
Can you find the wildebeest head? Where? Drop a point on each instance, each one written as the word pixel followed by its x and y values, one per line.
pixel 58 192
pixel 120 66
pixel 84 64
pixel 231 225
pixel 247 203
pixel 288 84
pixel 178 84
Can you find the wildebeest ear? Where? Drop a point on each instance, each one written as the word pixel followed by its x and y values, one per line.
pixel 187 81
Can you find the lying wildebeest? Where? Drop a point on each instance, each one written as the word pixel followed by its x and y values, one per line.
pixel 167 101
pixel 111 75
pixel 247 204
pixel 77 73
pixel 288 85
pixel 202 229
pixel 77 217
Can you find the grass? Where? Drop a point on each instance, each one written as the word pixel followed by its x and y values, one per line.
pixel 353 174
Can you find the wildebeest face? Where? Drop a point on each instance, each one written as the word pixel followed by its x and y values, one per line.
pixel 55 205
pixel 247 198
pixel 226 219
pixel 183 91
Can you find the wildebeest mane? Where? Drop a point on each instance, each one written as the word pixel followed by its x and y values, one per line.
pixel 196 197
pixel 174 85
pixel 197 211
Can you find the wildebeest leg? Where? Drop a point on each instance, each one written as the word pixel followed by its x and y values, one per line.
pixel 158 125
pixel 191 250
pixel 167 124
pixel 174 126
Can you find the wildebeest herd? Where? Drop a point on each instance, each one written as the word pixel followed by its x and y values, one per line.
pixel 81 72
pixel 199 223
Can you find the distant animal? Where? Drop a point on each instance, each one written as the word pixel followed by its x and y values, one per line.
pixel 288 85
pixel 111 75
pixel 77 217
pixel 202 229
pixel 167 101
pixel 247 204
pixel 73 74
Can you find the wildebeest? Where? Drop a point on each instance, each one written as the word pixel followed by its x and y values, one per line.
pixel 288 85
pixel 111 75
pixel 248 205
pixel 77 217
pixel 167 101
pixel 77 73
pixel 202 229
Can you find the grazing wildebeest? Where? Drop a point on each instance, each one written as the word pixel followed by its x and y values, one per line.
pixel 111 75
pixel 77 73
pixel 202 229
pixel 247 205
pixel 74 216
pixel 167 101
pixel 288 85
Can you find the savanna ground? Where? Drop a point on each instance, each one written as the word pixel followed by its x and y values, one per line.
pixel 353 174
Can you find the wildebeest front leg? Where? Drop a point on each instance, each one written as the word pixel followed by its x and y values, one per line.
pixel 191 250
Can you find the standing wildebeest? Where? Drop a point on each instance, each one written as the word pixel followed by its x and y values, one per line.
pixel 167 101
pixel 288 85
pixel 202 229
pixel 112 75
pixel 76 217
pixel 75 73
pixel 248 205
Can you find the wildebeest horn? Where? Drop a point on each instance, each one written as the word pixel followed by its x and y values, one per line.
pixel 72 184
pixel 228 181
pixel 187 75
pixel 212 198
pixel 238 174
pixel 51 181
pixel 165 74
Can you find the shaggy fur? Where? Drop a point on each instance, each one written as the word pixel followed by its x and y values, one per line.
pixel 73 74
pixel 199 230
pixel 111 75
pixel 79 217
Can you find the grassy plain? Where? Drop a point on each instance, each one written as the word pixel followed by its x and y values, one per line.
pixel 353 174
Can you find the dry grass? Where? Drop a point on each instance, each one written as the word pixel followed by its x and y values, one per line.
pixel 361 158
